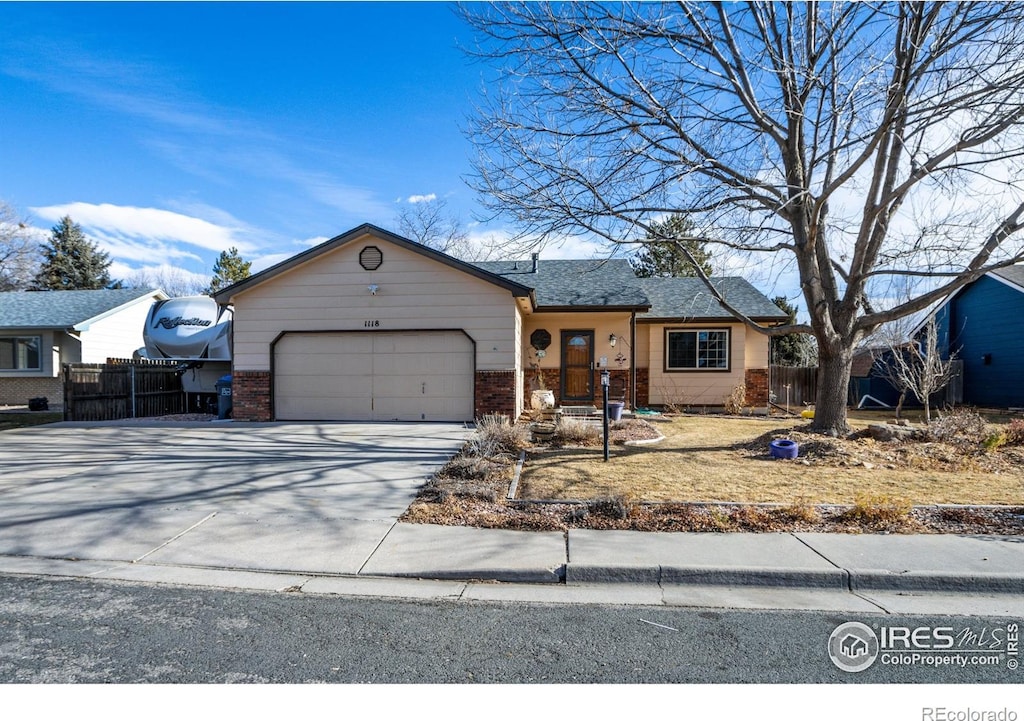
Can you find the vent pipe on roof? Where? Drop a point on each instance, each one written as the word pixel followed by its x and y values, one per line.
pixel 535 257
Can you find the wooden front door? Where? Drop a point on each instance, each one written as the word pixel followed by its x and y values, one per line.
pixel 577 365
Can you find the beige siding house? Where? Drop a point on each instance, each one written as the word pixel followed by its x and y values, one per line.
pixel 42 330
pixel 373 326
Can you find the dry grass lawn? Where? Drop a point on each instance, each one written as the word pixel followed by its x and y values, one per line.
pixel 715 458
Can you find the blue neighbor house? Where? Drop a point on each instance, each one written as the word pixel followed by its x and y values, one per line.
pixel 983 323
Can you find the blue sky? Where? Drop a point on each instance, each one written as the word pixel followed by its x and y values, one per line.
pixel 173 131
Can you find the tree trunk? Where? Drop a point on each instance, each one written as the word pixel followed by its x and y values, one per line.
pixel 834 363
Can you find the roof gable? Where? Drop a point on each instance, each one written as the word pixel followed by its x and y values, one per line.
pixel 1011 276
pixel 65 309
pixel 226 294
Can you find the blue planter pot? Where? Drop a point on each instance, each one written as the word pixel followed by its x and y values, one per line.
pixel 783 448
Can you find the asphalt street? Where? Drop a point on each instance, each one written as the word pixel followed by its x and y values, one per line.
pixel 101 632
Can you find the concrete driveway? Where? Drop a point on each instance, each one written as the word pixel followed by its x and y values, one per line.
pixel 315 497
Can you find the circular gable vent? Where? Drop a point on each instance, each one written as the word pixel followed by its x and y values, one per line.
pixel 370 257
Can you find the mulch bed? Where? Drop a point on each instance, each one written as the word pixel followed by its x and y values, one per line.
pixel 860 449
pixel 480 503
pixel 614 514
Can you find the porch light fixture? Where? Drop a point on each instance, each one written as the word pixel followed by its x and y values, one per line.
pixel 612 340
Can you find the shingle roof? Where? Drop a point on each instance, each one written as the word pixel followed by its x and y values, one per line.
pixel 1013 273
pixel 61 308
pixel 575 283
pixel 689 298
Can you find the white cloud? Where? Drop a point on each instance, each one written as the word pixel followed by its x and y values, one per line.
pixel 414 199
pixel 265 261
pixel 123 226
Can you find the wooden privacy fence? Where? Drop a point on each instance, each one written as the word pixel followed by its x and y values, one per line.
pixel 122 389
pixel 798 384
pixel 803 387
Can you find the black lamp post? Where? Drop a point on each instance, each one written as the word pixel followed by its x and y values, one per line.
pixel 605 376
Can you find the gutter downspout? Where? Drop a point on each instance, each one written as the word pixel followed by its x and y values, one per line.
pixel 632 359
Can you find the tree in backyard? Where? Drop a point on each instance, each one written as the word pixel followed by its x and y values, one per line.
pixel 427 220
pixel 176 282
pixel 876 148
pixel 794 349
pixel 663 256
pixel 19 251
pixel 229 268
pixel 915 366
pixel 71 261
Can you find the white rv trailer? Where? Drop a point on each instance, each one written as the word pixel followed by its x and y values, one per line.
pixel 194 331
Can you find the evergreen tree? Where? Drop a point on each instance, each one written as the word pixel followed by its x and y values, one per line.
pixel 798 349
pixel 229 268
pixel 661 258
pixel 71 261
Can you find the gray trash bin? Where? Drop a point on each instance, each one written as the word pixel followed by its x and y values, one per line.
pixel 224 397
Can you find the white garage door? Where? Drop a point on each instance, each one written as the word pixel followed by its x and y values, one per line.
pixel 374 376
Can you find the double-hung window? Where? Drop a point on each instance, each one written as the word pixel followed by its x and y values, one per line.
pixel 21 353
pixel 701 350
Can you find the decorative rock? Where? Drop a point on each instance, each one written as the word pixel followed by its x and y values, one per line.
pixel 892 433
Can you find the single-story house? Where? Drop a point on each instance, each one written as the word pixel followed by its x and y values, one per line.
pixel 42 330
pixel 373 326
pixel 983 323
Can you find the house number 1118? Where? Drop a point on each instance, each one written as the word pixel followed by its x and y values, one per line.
pixel 371 324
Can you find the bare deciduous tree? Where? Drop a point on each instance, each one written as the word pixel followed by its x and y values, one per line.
pixel 875 146
pixel 428 222
pixel 915 366
pixel 174 281
pixel 19 251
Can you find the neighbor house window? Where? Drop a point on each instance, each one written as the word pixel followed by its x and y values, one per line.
pixel 697 350
pixel 20 353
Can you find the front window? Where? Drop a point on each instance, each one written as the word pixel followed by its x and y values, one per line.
pixel 20 353
pixel 697 350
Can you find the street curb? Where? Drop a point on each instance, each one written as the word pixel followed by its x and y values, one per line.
pixel 937 581
pixel 499 575
pixel 837 579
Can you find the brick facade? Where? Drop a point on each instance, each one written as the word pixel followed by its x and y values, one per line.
pixel 552 382
pixel 756 382
pixel 618 385
pixel 495 392
pixel 251 395
pixel 643 387
pixel 17 391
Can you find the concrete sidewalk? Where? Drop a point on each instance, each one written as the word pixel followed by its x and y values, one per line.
pixel 790 570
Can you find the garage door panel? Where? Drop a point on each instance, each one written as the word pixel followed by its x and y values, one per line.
pixel 374 376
